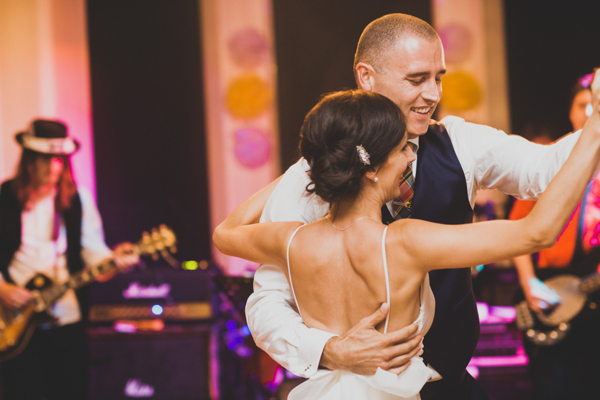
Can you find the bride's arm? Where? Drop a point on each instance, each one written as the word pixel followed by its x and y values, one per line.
pixel 433 246
pixel 240 234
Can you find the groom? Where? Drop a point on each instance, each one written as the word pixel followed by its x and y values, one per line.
pixel 401 57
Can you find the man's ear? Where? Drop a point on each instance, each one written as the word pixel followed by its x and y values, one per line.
pixel 365 76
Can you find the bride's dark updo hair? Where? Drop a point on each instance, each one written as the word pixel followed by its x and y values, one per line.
pixel 334 127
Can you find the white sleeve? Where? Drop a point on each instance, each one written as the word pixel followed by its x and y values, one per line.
pixel 272 316
pixel 290 201
pixel 93 248
pixel 491 159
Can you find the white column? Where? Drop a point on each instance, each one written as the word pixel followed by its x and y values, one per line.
pixel 476 84
pixel 240 85
pixel 44 72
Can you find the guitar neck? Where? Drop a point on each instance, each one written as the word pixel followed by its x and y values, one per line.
pixel 590 283
pixel 156 243
pixel 77 281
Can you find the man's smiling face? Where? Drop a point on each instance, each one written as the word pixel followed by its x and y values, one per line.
pixel 411 77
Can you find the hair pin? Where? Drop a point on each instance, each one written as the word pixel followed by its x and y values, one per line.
pixel 363 155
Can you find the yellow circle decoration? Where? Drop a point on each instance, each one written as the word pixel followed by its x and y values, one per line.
pixel 461 91
pixel 248 96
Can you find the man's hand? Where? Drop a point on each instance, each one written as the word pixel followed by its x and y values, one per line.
pixel 362 349
pixel 13 296
pixel 539 296
pixel 125 256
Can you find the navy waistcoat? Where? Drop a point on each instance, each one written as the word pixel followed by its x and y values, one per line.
pixel 441 196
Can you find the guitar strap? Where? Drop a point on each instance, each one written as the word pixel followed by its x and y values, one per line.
pixel 55 225
pixel 55 230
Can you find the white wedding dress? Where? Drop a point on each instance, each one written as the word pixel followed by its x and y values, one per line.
pixel 384 385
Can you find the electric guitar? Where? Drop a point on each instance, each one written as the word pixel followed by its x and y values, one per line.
pixel 17 325
pixel 547 328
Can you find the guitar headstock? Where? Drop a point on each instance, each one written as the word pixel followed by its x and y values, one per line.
pixel 161 242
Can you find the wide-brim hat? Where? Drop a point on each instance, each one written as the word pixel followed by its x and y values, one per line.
pixel 47 137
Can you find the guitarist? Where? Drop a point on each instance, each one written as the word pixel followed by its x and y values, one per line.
pixel 49 225
pixel 566 369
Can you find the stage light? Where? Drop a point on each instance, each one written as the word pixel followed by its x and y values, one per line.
pixel 506 313
pixel 245 331
pixel 483 311
pixel 230 325
pixel 124 327
pixel 473 371
pixel 190 265
pixel 157 309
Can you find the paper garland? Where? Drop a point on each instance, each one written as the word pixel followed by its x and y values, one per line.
pixel 462 92
pixel 248 96
pixel 457 41
pixel 252 147
pixel 248 48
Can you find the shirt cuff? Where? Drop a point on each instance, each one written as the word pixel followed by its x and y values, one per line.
pixel 311 348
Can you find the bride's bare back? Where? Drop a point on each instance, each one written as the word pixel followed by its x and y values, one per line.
pixel 338 277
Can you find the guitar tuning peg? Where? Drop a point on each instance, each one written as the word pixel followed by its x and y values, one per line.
pixel 147 239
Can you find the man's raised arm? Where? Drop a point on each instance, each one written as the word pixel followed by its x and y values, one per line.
pixel 492 159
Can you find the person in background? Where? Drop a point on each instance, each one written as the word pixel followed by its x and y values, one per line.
pixel 401 57
pixel 50 225
pixel 565 369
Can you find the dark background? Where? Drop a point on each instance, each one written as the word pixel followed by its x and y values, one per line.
pixel 550 44
pixel 148 107
pixel 148 113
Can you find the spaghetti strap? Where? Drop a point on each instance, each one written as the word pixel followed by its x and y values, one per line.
pixel 287 257
pixel 387 278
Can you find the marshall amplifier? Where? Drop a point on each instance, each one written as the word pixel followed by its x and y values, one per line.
pixel 177 295
pixel 166 365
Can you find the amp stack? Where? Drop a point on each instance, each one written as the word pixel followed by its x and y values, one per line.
pixel 150 335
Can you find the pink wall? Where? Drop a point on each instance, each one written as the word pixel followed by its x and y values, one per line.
pixel 44 72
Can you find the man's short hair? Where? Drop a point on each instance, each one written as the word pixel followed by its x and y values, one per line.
pixel 383 33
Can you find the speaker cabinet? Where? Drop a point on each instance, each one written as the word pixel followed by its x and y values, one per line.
pixel 508 382
pixel 167 365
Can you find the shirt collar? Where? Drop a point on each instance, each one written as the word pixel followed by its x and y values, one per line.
pixel 415 143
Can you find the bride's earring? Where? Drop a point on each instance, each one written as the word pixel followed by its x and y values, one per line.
pixel 376 179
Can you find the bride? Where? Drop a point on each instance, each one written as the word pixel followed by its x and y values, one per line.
pixel 337 267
